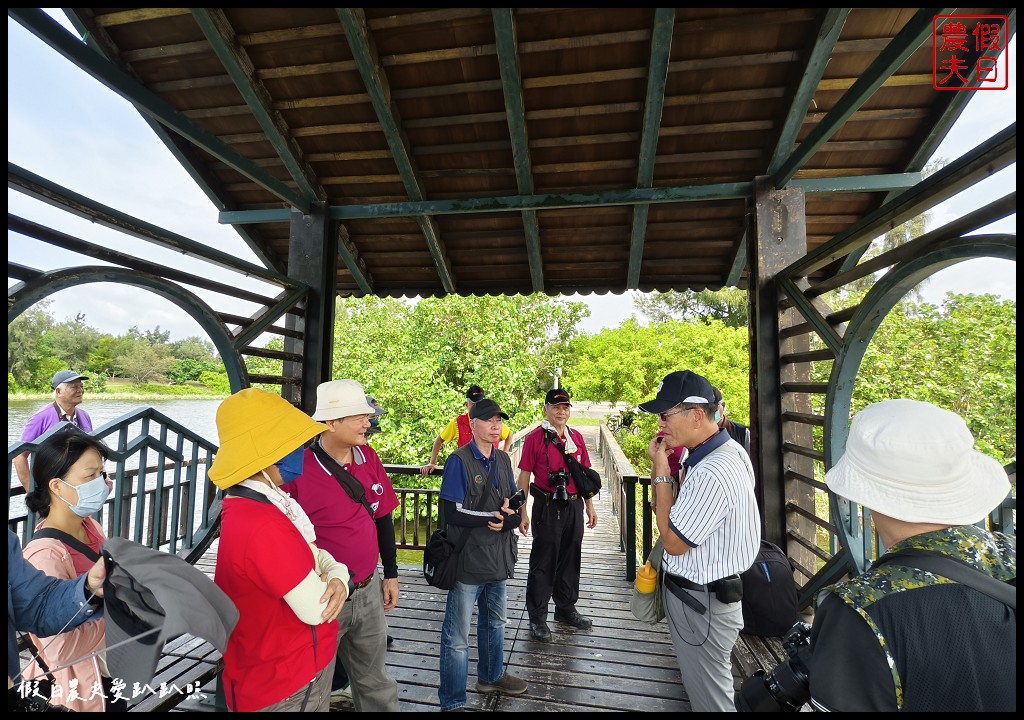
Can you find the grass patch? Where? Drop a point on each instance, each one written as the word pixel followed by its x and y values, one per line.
pixel 410 557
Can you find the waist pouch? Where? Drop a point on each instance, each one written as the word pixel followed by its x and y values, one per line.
pixel 727 590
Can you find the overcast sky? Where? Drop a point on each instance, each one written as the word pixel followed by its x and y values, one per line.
pixel 66 127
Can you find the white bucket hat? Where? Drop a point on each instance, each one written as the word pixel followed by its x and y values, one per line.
pixel 916 462
pixel 340 399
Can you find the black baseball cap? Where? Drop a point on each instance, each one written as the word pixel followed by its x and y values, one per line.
pixel 557 396
pixel 475 393
pixel 485 409
pixel 681 386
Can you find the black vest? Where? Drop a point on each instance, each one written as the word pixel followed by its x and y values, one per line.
pixel 488 556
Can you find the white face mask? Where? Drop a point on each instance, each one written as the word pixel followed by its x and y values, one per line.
pixel 91 496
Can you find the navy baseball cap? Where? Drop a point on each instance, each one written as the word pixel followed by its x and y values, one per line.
pixel 557 396
pixel 66 376
pixel 681 386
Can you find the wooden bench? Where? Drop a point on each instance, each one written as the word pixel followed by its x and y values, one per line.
pixel 752 653
pixel 187 664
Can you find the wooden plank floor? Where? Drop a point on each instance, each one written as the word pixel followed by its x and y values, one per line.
pixel 620 664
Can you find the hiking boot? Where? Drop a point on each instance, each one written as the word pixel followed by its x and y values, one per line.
pixel 507 684
pixel 573 617
pixel 540 631
pixel 342 695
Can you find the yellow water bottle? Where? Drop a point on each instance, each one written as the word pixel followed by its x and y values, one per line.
pixel 646 579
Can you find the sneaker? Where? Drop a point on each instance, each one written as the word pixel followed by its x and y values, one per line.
pixel 507 684
pixel 342 694
pixel 573 617
pixel 390 640
pixel 540 631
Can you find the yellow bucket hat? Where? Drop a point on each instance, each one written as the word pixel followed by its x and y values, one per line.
pixel 256 429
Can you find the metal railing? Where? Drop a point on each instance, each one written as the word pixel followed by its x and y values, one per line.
pixel 621 482
pixel 160 497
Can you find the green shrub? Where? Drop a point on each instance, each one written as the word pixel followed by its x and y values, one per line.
pixel 216 381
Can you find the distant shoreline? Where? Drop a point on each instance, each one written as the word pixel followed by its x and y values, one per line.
pixel 43 397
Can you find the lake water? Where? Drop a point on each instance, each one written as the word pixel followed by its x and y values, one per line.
pixel 199 415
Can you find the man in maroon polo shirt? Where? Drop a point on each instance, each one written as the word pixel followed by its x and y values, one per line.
pixel 557 517
pixel 355 533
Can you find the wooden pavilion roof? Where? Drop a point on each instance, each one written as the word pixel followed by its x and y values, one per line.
pixel 506 151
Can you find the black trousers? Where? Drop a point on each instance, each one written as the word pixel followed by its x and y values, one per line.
pixel 557 529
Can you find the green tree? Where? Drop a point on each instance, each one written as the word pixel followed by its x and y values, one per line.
pixel 189 370
pixel 156 336
pixel 728 305
pixel 194 348
pixel 145 362
pixel 72 341
pixel 418 359
pixel 24 343
pixel 42 375
pixel 626 364
pixel 960 356
pixel 101 359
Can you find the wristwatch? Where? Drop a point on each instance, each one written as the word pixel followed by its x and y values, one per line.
pixel 662 479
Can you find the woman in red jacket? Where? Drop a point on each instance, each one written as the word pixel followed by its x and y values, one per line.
pixel 288 592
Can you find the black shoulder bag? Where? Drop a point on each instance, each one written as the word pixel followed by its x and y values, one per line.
pixel 441 559
pixel 588 480
pixel 70 540
pixel 348 483
pixel 953 569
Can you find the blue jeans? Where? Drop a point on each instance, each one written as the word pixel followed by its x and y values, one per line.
pixel 490 638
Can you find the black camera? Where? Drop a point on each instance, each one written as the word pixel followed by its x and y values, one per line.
pixel 517 501
pixel 32 696
pixel 788 686
pixel 559 481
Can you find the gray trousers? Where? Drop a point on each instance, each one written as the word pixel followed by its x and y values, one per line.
pixel 704 646
pixel 362 646
pixel 314 697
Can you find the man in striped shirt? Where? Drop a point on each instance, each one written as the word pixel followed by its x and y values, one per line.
pixel 711 533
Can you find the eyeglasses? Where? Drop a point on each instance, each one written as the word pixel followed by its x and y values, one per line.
pixel 360 419
pixel 664 416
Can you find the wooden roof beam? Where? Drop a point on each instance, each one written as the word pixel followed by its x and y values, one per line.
pixel 515 114
pixel 905 44
pixel 221 36
pixel 364 52
pixel 657 77
pixel 814 67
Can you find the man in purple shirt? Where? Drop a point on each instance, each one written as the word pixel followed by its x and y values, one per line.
pixel 68 392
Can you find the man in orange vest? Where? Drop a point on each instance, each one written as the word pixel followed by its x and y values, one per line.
pixel 458 429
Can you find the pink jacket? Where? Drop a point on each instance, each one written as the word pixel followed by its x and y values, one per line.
pixel 52 557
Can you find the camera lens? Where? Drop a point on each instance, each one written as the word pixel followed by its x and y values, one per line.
pixel 559 481
pixel 787 687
